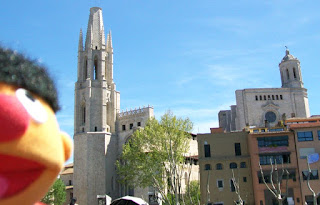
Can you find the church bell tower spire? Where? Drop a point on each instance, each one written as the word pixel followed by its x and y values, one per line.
pixel 96 106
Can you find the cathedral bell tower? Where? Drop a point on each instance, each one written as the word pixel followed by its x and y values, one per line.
pixel 96 105
pixel 290 71
pixel 96 98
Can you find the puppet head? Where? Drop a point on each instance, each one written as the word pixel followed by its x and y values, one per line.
pixel 32 147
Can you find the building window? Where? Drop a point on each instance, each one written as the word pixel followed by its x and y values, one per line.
pixel 277 97
pixel 123 127
pixel 237 149
pixel 233 165
pixel 264 97
pixel 139 124
pixel 256 98
pixel 85 70
pixel 267 178
pixel 83 114
pixel 243 165
pixel 309 199
pixel 207 167
pixel 244 179
pixel 288 74
pixel 220 183
pixel 269 97
pixel 207 152
pixel 279 159
pixel 219 166
pixel 294 73
pixel 319 134
pixel 305 136
pixel 131 126
pixel 70 182
pixel 281 97
pixel 95 68
pixel 260 97
pixel 313 176
pixel 273 141
pixel 232 187
pixel 95 129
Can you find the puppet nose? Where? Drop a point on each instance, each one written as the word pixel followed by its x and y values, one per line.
pixel 14 119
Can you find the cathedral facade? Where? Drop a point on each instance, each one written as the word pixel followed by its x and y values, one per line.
pixel 263 107
pixel 100 129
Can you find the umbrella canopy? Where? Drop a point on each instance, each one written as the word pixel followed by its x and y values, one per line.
pixel 129 200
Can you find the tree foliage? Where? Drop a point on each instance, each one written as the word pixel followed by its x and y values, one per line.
pixel 56 194
pixel 155 156
pixel 193 192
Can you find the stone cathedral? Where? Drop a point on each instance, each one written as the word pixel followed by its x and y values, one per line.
pixel 261 107
pixel 100 129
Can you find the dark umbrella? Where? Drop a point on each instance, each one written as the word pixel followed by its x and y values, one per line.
pixel 129 200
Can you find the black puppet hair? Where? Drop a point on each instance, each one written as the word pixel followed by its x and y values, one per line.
pixel 18 70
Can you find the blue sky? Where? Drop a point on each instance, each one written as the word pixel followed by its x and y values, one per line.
pixel 182 55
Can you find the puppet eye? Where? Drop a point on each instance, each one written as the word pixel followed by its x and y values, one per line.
pixel 32 105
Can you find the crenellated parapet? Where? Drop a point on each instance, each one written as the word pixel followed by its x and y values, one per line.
pixel 138 112
pixel 127 121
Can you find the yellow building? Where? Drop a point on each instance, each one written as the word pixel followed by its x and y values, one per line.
pixel 219 154
pixel 67 177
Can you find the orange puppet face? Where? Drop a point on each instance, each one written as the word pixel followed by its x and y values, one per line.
pixel 32 148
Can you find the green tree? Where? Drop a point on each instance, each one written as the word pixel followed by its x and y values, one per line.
pixel 56 194
pixel 193 193
pixel 155 156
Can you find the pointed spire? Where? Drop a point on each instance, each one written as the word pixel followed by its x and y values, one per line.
pixel 80 46
pixel 95 33
pixel 109 41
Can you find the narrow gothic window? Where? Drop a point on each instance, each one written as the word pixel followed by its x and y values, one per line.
pixel 280 97
pixel 264 97
pixel 272 97
pixel 83 111
pixel 268 97
pixel 287 74
pixel 260 97
pixel 131 126
pixel 85 71
pixel 95 69
pixel 277 97
pixel 256 97
pixel 294 73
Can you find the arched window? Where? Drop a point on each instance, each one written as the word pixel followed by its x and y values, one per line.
pixel 287 74
pixel 233 165
pixel 95 68
pixel 219 166
pixel 294 73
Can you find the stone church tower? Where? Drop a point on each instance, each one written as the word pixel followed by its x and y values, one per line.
pixel 100 129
